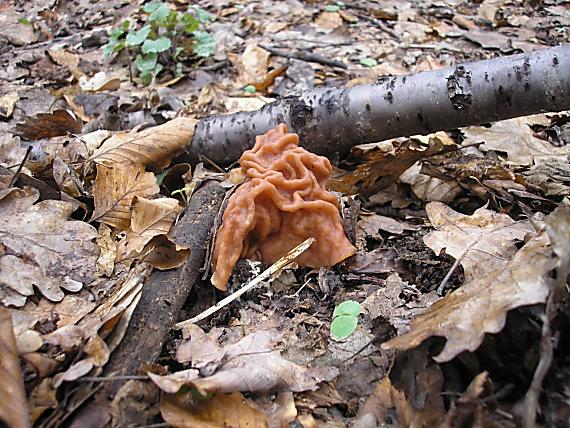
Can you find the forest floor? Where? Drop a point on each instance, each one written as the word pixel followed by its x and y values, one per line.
pixel 453 311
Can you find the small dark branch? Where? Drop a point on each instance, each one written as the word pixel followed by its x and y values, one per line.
pixel 17 174
pixel 305 56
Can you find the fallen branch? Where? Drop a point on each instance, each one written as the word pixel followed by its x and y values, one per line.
pixel 304 56
pixel 163 295
pixel 330 120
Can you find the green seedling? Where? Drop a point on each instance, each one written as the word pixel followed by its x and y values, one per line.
pixel 345 319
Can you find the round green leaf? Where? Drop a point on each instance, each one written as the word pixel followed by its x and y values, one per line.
pixel 250 89
pixel 158 11
pixel 135 38
pixel 368 62
pixel 146 63
pixel 156 46
pixel 343 326
pixel 205 44
pixel 348 307
pixel 332 8
pixel 152 6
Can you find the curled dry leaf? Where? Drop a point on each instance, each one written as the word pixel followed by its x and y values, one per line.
pixel 386 162
pixel 483 241
pixel 150 218
pixel 42 248
pixel 47 125
pixel 114 190
pixel 153 148
pixel 481 306
pixel 13 406
pixel 251 364
pixel 222 410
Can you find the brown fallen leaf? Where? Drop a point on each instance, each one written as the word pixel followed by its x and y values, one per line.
pixel 41 399
pixel 251 364
pixel 483 242
pixel 43 248
pixel 114 190
pixel 47 125
pixel 516 138
pixel 429 188
pixel 388 160
pixel 153 147
pixel 222 410
pixel 13 406
pixel 150 218
pixel 328 21
pixel 164 254
pixel 252 65
pixel 372 224
pixel 480 306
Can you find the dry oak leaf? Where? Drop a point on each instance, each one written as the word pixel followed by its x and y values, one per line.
pixel 483 241
pixel 149 219
pixel 114 190
pixel 42 248
pixel 222 410
pixel 251 364
pixel 252 64
pixel 153 147
pixel 480 306
pixel 13 406
pixel 47 125
pixel 516 138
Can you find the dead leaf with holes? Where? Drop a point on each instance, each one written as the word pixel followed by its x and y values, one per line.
pixel 464 316
pixel 483 242
pixel 114 190
pixel 153 147
pixel 42 248
pixel 516 139
pixel 13 406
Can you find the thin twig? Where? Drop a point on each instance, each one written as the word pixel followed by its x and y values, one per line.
pixel 275 267
pixel 19 170
pixel 304 56
pixel 111 378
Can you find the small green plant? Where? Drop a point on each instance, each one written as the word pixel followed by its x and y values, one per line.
pixel 166 37
pixel 345 319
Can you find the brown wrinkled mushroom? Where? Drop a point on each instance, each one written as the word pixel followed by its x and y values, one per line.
pixel 282 202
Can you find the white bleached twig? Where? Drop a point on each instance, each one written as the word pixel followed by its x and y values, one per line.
pixel 275 267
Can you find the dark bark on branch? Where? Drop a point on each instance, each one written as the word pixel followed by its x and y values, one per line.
pixel 334 120
pixel 162 298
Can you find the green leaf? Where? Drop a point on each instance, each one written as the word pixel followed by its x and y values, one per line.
pixel 348 307
pixel 146 63
pixel 160 13
pixel 189 23
pixel 116 33
pixel 368 62
pixel 205 44
pixel 156 46
pixel 24 21
pixel 146 77
pixel 250 89
pixel 332 8
pixel 203 16
pixel 125 25
pixel 152 6
pixel 177 52
pixel 135 38
pixel 343 326
pixel 113 46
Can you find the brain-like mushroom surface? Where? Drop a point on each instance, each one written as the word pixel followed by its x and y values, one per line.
pixel 282 202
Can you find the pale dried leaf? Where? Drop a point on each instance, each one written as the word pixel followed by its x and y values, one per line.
pixel 164 254
pixel 252 64
pixel 13 406
pixel 429 188
pixel 114 190
pixel 149 219
pixel 481 306
pixel 372 224
pixel 252 365
pixel 77 370
pixel 153 148
pixel 515 138
pixel 483 241
pixel 108 247
pixel 42 248
pixel 98 350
